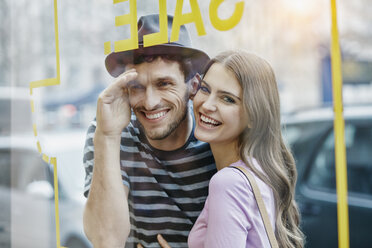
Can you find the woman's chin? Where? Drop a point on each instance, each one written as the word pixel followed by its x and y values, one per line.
pixel 204 136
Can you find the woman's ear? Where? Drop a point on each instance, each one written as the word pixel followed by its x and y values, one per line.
pixel 194 85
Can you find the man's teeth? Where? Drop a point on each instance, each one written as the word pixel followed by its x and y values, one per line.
pixel 208 120
pixel 155 116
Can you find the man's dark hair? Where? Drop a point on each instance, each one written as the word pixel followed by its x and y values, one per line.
pixel 185 64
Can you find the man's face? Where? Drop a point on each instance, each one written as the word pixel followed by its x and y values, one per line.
pixel 159 97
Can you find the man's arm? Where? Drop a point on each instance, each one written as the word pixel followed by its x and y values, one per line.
pixel 106 214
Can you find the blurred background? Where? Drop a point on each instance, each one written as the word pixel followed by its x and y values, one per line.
pixel 294 36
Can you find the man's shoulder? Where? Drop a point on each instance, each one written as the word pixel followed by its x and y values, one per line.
pixel 133 125
pixel 129 136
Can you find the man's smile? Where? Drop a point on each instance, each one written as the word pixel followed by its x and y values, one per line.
pixel 155 115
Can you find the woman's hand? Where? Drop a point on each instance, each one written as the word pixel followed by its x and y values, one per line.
pixel 161 240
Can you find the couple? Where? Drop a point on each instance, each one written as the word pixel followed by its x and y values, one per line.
pixel 154 160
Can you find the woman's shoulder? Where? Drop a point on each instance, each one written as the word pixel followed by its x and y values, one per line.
pixel 230 179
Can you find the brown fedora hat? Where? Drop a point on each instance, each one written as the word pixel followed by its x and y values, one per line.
pixel 116 62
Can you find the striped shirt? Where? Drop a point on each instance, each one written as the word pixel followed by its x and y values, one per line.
pixel 167 189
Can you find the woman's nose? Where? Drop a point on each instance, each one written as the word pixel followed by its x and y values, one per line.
pixel 209 104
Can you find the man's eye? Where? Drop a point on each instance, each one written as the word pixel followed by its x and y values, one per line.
pixel 228 99
pixel 136 87
pixel 163 84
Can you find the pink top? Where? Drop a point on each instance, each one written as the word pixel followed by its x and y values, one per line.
pixel 230 217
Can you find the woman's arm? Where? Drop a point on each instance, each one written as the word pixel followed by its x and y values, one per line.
pixel 228 210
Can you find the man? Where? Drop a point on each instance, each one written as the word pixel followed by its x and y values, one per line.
pixel 150 174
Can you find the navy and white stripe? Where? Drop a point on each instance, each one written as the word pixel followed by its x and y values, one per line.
pixel 167 190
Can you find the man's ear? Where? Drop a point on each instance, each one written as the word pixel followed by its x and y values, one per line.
pixel 194 85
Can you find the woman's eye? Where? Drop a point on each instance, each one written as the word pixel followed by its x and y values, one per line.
pixel 228 99
pixel 204 89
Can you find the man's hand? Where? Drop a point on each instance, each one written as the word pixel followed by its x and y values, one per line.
pixel 113 110
pixel 161 240
pixel 106 214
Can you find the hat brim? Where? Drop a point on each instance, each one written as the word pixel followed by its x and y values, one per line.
pixel 116 62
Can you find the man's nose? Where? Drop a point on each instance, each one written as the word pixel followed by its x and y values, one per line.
pixel 152 99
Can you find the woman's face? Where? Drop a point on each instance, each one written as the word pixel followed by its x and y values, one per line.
pixel 218 107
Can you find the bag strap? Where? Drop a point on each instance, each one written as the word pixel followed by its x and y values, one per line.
pixel 261 206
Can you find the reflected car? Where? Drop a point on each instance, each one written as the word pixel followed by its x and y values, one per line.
pixel 311 138
pixel 30 191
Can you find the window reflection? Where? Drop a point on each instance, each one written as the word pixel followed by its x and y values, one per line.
pixel 358 141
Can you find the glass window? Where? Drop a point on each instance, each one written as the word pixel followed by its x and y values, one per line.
pixel 298 132
pixel 358 142
pixel 5 168
pixel 27 167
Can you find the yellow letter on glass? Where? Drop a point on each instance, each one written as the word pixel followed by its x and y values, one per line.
pixel 226 24
pixel 180 19
pixel 162 36
pixel 131 18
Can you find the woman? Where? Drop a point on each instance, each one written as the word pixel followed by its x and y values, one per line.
pixel 237 111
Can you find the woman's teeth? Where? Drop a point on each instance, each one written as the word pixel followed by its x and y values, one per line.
pixel 209 120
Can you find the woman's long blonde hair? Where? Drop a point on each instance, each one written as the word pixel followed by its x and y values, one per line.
pixel 262 139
